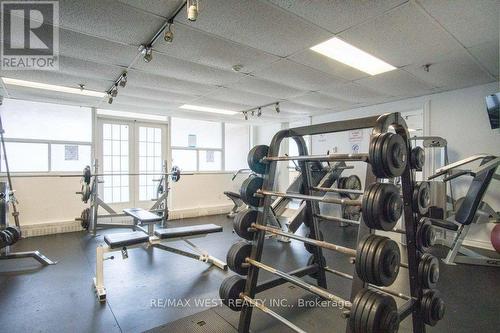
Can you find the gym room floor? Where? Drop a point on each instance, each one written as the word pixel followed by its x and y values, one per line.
pixel 61 298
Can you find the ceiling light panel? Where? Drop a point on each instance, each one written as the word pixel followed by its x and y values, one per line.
pixel 207 109
pixel 52 87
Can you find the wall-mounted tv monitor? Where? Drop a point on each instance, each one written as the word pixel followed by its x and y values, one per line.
pixel 493 108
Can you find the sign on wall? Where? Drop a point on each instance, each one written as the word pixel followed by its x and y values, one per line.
pixel 356 135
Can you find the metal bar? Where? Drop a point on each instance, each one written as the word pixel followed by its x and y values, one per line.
pixel 337 126
pixel 276 281
pixel 326 158
pixel 270 312
pixel 337 219
pixel 94 175
pixel 345 202
pixel 383 289
pixel 337 190
pixel 311 241
pixel 340 302
pixel 445 169
pixel 406 309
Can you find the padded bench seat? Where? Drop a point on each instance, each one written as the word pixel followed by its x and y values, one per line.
pixel 142 215
pixel 194 230
pixel 125 239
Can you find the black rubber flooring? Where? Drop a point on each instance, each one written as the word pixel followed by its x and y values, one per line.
pixel 60 298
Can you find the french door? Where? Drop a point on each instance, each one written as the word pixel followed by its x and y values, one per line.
pixel 131 148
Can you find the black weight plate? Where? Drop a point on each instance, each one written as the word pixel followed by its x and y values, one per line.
pixel 432 307
pixel 15 233
pixel 367 205
pixel 4 241
pixel 309 247
pixel 230 290
pixel 384 210
pixel 383 315
pixel 370 298
pixel 350 183
pixel 85 218
pixel 362 253
pixel 242 221
pixel 428 271
pixel 255 155
pixel 421 198
pixel 249 188
pixel 372 263
pixel 237 255
pixel 87 174
pixel 386 262
pixel 394 155
pixel 375 155
pixel 417 158
pixel 175 174
pixel 425 235
pixel 7 237
pixel 355 310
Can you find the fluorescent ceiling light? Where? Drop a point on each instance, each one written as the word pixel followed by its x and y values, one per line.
pixel 207 109
pixel 124 114
pixel 339 50
pixel 44 86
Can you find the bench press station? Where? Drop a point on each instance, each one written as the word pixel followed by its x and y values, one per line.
pixel 150 237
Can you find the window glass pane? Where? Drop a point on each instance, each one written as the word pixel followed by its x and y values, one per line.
pixel 150 161
pixel 237 140
pixel 69 157
pixel 35 120
pixel 115 160
pixel 26 157
pixel 210 160
pixel 184 159
pixel 196 133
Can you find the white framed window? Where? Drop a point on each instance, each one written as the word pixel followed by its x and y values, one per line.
pixel 236 146
pixel 150 160
pixel 45 137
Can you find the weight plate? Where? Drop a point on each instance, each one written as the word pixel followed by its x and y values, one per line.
pixel 374 155
pixel 367 205
pixel 372 261
pixel 428 271
pixel 255 155
pixel 249 188
pixel 417 158
pixel 383 207
pixel 85 218
pixel 356 310
pixel 426 235
pixel 242 222
pixel 230 290
pixel 386 262
pixel 432 306
pixel 309 247
pixel 351 212
pixel 237 255
pixel 421 197
pixel 9 237
pixel 16 233
pixel 362 252
pixel 85 190
pixel 394 155
pixel 383 315
pixel 87 175
pixel 349 183
pixel 3 240
pixel 175 174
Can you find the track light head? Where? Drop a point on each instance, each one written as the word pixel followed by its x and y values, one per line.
pixel 123 80
pixel 253 113
pixel 259 112
pixel 110 100
pixel 246 115
pixel 277 107
pixel 169 35
pixel 148 54
pixel 192 9
pixel 114 91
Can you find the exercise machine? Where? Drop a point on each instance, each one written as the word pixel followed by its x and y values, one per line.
pixel 470 210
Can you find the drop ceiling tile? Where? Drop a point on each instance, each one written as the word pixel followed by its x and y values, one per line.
pixel 257 24
pixel 185 70
pixel 453 73
pixel 327 65
pixel 163 8
pixel 55 97
pixel 300 109
pixel 145 102
pixel 396 83
pixel 296 75
pixel 109 19
pixel 353 92
pixel 77 45
pixel 155 94
pixel 206 49
pixel 335 16
pixel 403 36
pixel 88 69
pixel 265 87
pixel 319 100
pixel 240 97
pixel 471 22
pixel 147 80
pixel 488 55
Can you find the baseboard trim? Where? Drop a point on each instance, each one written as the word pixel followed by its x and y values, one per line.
pixel 59 227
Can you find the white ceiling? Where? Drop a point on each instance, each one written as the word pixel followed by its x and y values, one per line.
pixel 271 39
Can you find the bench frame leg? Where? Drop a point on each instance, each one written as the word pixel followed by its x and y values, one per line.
pixel 201 255
pixel 99 273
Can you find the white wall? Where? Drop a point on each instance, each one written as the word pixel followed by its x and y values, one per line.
pixel 460 117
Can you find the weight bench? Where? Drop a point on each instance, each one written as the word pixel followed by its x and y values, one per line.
pixel 468 213
pixel 152 238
